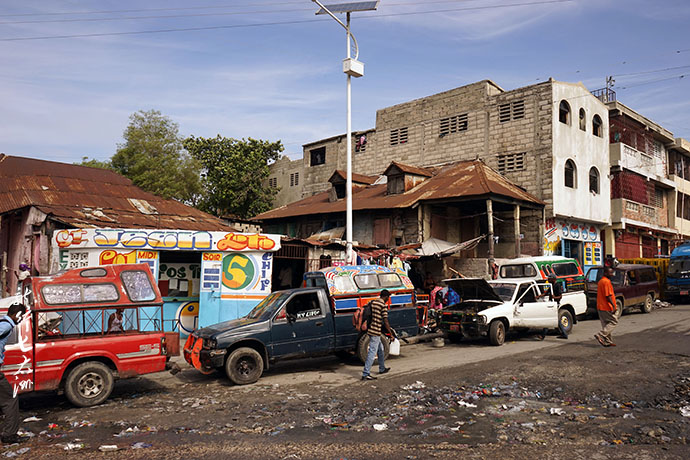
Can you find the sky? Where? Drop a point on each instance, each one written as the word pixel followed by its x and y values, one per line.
pixel 74 71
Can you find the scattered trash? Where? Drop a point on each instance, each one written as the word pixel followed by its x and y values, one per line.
pixel 108 448
pixel 73 446
pixel 32 419
pixel 556 411
pixel 141 445
pixel 53 426
pixel 628 415
pixel 685 411
pixel 380 427
pixel 18 452
pixel 418 385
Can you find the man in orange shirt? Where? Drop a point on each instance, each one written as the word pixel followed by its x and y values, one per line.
pixel 606 307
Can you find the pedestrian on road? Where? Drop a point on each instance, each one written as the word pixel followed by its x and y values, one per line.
pixel 8 400
pixel 379 319
pixel 606 307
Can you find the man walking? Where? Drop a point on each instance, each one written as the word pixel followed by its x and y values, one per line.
pixel 606 307
pixel 8 401
pixel 379 318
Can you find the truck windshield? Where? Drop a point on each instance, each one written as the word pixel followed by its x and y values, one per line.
pixel 679 266
pixel 268 305
pixel 504 290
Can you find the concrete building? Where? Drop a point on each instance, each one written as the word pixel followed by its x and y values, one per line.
pixel 550 138
pixel 679 202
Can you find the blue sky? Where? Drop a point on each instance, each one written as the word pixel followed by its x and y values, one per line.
pixel 272 69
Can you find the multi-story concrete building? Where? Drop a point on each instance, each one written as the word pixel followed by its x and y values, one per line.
pixel 550 138
pixel 679 202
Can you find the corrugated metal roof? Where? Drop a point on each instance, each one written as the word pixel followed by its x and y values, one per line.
pixel 86 197
pixel 356 178
pixel 462 180
pixel 409 169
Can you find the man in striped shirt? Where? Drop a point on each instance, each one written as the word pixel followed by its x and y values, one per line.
pixel 379 319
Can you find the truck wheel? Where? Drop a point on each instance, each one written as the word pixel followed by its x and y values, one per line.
pixel 648 303
pixel 89 384
pixel 497 333
pixel 619 308
pixel 244 366
pixel 363 348
pixel 565 320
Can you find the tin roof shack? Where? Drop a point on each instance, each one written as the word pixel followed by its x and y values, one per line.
pixel 55 216
pixel 455 202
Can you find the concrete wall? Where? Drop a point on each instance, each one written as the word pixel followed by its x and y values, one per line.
pixel 281 171
pixel 586 150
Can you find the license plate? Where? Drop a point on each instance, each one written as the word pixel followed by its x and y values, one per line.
pixel 683 292
pixel 454 328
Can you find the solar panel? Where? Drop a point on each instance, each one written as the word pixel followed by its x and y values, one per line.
pixel 350 7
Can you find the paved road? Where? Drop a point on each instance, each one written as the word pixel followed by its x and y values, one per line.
pixel 331 371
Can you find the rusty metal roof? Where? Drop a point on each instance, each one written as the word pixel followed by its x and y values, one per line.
pixel 356 178
pixel 462 180
pixel 408 169
pixel 86 197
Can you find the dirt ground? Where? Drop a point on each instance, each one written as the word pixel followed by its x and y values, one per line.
pixel 575 401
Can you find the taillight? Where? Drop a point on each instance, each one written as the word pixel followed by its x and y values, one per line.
pixel 164 350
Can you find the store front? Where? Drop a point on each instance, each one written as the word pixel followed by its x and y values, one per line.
pixel 576 240
pixel 204 277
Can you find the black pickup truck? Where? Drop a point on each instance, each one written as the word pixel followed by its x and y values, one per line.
pixel 296 323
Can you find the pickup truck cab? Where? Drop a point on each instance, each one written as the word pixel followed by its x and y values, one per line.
pixel 296 323
pixel 493 309
pixel 68 340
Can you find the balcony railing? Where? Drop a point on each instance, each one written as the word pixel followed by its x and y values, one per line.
pixel 605 95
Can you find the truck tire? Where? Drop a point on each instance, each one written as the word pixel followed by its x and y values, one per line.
pixel 244 366
pixel 619 308
pixel 89 384
pixel 497 332
pixel 363 348
pixel 648 303
pixel 565 321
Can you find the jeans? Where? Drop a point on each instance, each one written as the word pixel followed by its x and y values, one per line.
pixel 10 408
pixel 375 348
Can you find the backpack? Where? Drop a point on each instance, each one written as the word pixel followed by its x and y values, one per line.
pixel 361 318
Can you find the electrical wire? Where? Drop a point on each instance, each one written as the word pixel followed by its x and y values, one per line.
pixel 264 24
pixel 651 71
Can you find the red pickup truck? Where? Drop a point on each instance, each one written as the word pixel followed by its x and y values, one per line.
pixel 86 327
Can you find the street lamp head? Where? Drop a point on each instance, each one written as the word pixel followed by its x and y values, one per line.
pixel 347 7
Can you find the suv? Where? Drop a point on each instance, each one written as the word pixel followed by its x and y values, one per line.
pixel 633 285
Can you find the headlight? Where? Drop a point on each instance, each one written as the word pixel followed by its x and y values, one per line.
pixel 481 319
pixel 210 343
pixel 671 287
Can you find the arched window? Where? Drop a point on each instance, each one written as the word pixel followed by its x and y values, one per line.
pixel 597 126
pixel 570 174
pixel 583 120
pixel 594 180
pixel 564 112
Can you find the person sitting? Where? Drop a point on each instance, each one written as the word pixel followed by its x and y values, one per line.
pixel 115 321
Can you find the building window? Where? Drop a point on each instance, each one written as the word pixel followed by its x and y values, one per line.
pixel 361 143
pixel 511 162
pixel 511 111
pixel 273 182
pixel 564 112
pixel 594 180
pixel 399 136
pixel 658 199
pixel 294 179
pixel 318 156
pixel 597 126
pixel 570 174
pixel 583 120
pixel 453 124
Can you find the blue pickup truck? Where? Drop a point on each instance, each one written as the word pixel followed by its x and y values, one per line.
pixel 299 323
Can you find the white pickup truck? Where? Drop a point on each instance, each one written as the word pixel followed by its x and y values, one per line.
pixel 493 308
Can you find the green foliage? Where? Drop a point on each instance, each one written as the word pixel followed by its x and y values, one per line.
pixel 234 174
pixel 92 162
pixel 152 157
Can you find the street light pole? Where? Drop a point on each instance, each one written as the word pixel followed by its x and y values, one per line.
pixel 352 68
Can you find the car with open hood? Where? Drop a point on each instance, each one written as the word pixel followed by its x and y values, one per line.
pixel 492 309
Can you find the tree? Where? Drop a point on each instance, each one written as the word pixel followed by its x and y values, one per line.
pixel 234 174
pixel 153 158
pixel 92 162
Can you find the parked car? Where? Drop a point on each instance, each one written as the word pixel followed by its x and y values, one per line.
pixel 68 342
pixel 493 309
pixel 633 286
pixel 301 323
pixel 566 270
